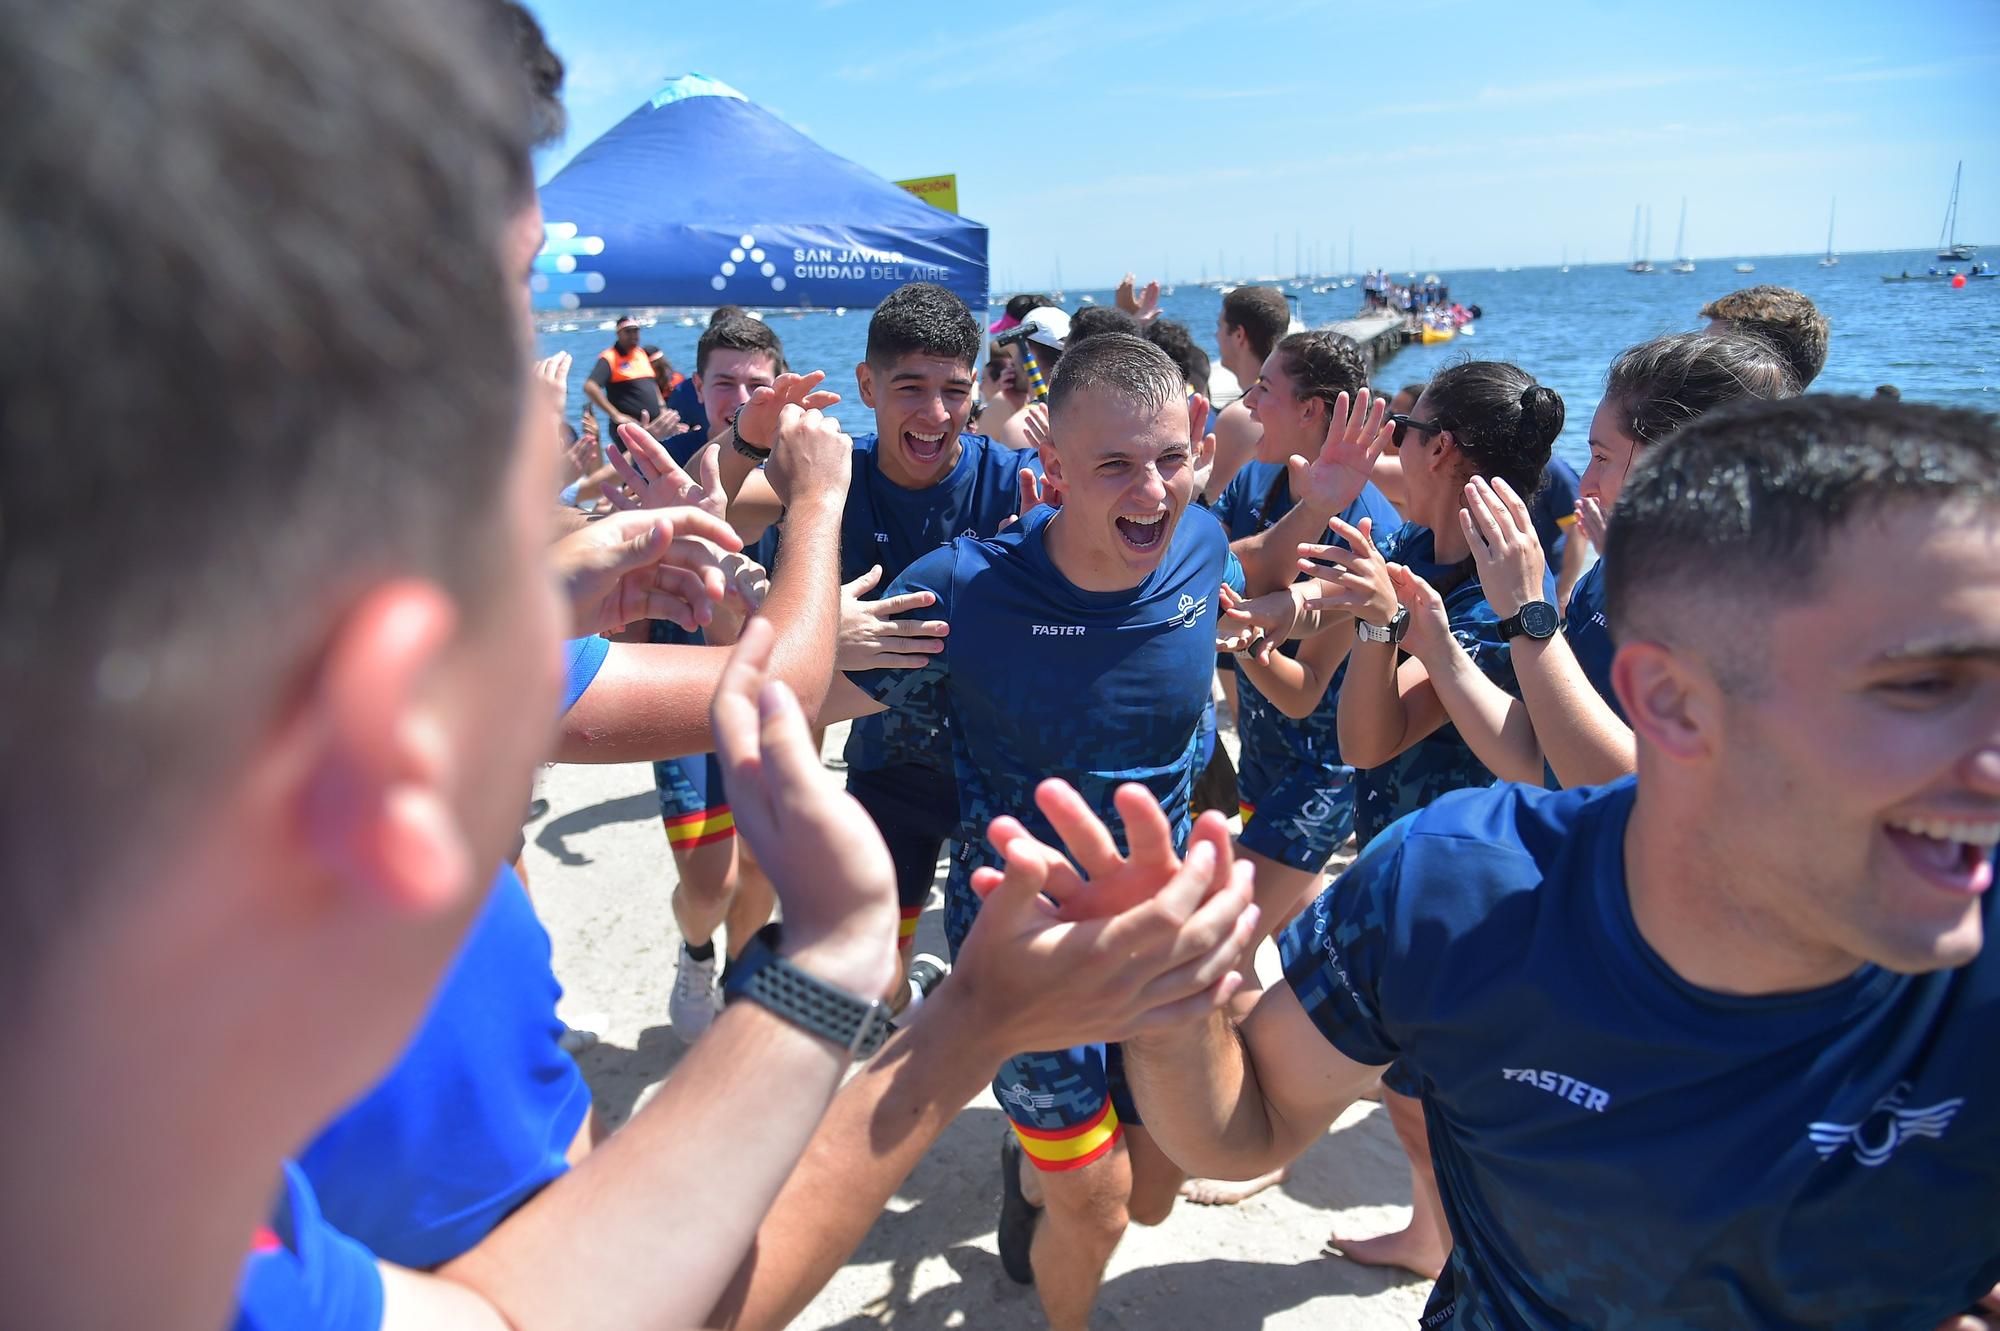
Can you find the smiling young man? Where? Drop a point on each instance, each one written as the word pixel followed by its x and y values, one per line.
pixel 919 482
pixel 1082 644
pixel 1711 1046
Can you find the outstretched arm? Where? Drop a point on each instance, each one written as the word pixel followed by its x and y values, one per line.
pixel 1384 707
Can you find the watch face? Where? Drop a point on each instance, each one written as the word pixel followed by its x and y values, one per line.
pixel 1538 619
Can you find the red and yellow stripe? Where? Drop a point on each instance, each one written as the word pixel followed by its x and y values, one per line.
pixel 906 924
pixel 1070 1148
pixel 688 830
pixel 1243 811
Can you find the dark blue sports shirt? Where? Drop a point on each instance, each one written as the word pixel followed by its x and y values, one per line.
pixel 1041 678
pixel 888 525
pixel 1553 509
pixel 1589 633
pixel 1618 1148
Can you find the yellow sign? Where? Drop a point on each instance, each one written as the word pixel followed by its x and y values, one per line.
pixel 937 191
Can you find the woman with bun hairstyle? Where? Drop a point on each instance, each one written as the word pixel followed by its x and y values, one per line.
pixel 1566 715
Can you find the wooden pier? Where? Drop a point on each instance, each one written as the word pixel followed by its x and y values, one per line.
pixel 1379 334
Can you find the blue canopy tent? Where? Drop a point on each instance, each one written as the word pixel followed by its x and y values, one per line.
pixel 700 197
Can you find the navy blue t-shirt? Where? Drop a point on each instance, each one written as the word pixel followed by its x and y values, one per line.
pixel 1441 761
pixel 1589 633
pixel 1255 498
pixel 1617 1148
pixel 685 400
pixel 1041 678
pixel 1553 509
pixel 886 524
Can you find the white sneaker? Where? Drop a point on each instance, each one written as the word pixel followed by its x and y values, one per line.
pixel 694 1002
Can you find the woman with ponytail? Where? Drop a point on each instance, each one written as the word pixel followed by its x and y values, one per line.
pixel 1566 715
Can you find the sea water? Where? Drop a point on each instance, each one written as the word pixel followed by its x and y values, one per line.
pixel 1934 343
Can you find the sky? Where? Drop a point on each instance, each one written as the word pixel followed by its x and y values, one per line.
pixel 1180 139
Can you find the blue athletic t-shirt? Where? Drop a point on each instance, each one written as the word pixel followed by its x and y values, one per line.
pixel 886 524
pixel 582 659
pixel 1255 498
pixel 1589 633
pixel 304 1275
pixel 1617 1148
pixel 1553 509
pixel 1441 761
pixel 687 402
pixel 1041 678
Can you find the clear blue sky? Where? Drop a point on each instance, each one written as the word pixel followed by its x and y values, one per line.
pixel 1449 132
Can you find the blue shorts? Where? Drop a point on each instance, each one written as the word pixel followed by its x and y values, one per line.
pixel 1256 776
pixel 693 805
pixel 916 809
pixel 1302 819
pixel 1067 1106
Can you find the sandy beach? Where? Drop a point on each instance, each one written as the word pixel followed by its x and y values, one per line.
pixel 600 875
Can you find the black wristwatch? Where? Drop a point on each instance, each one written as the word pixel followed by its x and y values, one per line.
pixel 1537 619
pixel 742 445
pixel 858 1025
pixel 1398 625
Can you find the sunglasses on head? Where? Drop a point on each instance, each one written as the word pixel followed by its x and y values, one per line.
pixel 1404 422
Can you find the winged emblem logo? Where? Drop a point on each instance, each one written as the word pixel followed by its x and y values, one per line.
pixel 1887 1126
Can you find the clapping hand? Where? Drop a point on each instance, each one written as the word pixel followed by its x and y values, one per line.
pixel 1358 575
pixel 1429 631
pixel 1356 433
pixel 648 476
pixel 1590 520
pixel 1505 547
pixel 647 564
pixel 757 423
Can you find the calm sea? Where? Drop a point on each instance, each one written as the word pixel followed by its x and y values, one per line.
pixel 1934 343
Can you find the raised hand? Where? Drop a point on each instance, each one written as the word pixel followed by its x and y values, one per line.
pixel 648 476
pixel 1272 618
pixel 1357 575
pixel 810 458
pixel 1035 424
pixel 1139 942
pixel 835 883
pixel 553 372
pixel 665 425
pixel 746 583
pixel 1505 547
pixel 647 564
pixel 757 424
pixel 872 638
pixel 1591 522
pixel 1356 433
pixel 1429 632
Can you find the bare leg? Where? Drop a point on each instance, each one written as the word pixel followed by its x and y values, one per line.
pixel 1084 1212
pixel 1422 1245
pixel 707 883
pixel 750 904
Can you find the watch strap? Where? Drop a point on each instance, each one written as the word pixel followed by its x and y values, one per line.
pixel 857 1025
pixel 756 452
pixel 1516 624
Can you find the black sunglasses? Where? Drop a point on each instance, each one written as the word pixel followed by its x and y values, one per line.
pixel 1404 422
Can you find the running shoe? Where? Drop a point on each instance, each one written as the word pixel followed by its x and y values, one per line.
pixel 694 1002
pixel 926 974
pixel 1017 1215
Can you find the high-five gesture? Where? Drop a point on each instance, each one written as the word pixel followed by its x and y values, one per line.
pixel 1358 577
pixel 873 638
pixel 1356 433
pixel 757 423
pixel 809 457
pixel 832 872
pixel 648 564
pixel 1505 547
pixel 650 478
pixel 1145 304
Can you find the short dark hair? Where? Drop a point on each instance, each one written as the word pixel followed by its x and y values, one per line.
pixel 1786 318
pixel 741 333
pixel 1096 320
pixel 1019 307
pixel 542 68
pixel 1754 494
pixel 1889 392
pixel 1661 385
pixel 1324 364
pixel 922 318
pixel 1504 423
pixel 1129 366
pixel 721 312
pixel 1177 340
pixel 257 439
pixel 1262 313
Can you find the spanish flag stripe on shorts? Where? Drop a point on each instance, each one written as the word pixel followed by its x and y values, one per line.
pixel 689 830
pixel 1070 1148
pixel 1244 811
pixel 906 926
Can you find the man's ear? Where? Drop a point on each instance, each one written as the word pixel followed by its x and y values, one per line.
pixel 697 390
pixel 375 805
pixel 1052 463
pixel 866 379
pixel 1671 701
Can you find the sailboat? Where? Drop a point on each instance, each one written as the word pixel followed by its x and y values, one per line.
pixel 1640 264
pixel 1565 264
pixel 1948 245
pixel 1682 264
pixel 1831 260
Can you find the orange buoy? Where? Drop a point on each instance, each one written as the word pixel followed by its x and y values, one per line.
pixel 1958 281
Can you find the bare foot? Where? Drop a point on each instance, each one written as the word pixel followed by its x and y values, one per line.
pixel 1408 1248
pixel 1217 1192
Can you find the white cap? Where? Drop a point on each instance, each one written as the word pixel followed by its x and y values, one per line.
pixel 1047 325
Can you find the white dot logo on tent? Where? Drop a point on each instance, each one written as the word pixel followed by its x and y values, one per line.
pixel 746 250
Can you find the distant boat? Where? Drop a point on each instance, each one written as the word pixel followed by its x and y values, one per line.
pixel 1746 267
pixel 1831 260
pixel 1640 263
pixel 1948 244
pixel 1682 264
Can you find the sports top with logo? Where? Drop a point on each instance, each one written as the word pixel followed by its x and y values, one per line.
pixel 886 524
pixel 1617 1148
pixel 1041 678
pixel 1296 796
pixel 1441 761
